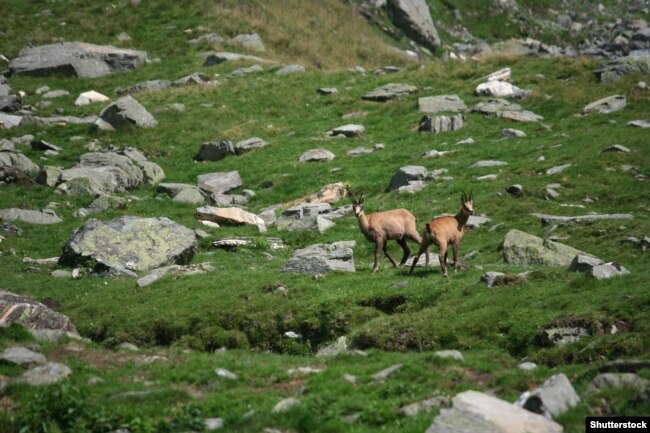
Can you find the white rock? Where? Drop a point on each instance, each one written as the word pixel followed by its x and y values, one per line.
pixel 89 97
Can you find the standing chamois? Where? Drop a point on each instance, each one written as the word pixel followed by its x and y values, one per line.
pixel 381 227
pixel 446 230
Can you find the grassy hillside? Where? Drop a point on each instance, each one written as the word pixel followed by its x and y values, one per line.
pixel 396 318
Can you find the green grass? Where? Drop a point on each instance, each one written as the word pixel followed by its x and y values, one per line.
pixel 395 317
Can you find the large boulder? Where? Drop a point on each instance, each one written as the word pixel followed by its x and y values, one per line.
pixel 414 18
pixel 618 68
pixel 18 161
pixel 130 243
pixel 220 182
pixel 551 399
pixel 521 248
pixel 32 315
pixel 474 411
pixel 438 124
pixel 441 103
pixel 46 216
pixel 405 175
pixel 321 258
pixel 134 175
pixel 75 59
pixel 126 111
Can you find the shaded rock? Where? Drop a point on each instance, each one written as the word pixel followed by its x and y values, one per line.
pixel 451 354
pixel 639 123
pixel 10 103
pixel 608 270
pixel 103 203
pixel 442 103
pixel 625 365
pixel 52 372
pixel 189 195
pixel 390 91
pixel 44 145
pixel 285 405
pixel 290 69
pixel 90 97
pixel 339 347
pixel 46 216
pixel 387 70
pixel 414 18
pixel 251 42
pixel 515 190
pixel 427 405
pixel 405 175
pixel 488 163
pixel 316 155
pixel 321 258
pixel 144 86
pixel 474 411
pixel 126 111
pixel 327 90
pixel 215 151
pixel 557 169
pixel 19 162
pixel 500 89
pixel 553 398
pixel 525 249
pixel 194 79
pixel 607 381
pixel 560 219
pixel 584 263
pixel 520 116
pixel 387 372
pixel 75 59
pixel 221 57
pixel 509 132
pixel 349 130
pixel 618 68
pixel 129 244
pixel 412 187
pixel 22 357
pixel 249 144
pixel 317 223
pixel 231 215
pixel 53 94
pixel 606 105
pixel 616 148
pixel 220 182
pixel 240 72
pixel 32 315
pixel 437 124
pixel 303 210
pixel 561 335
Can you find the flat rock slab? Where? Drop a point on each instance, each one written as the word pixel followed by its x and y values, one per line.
pixel 32 314
pixel 390 91
pixel 315 155
pixel 22 356
pixel 90 97
pixel 639 123
pixel 474 411
pixel 559 219
pixel 77 59
pixel 144 86
pixel 525 249
pixel 438 124
pixel 290 69
pixel 212 59
pixel 9 121
pixel 126 111
pixel 494 106
pixel 321 258
pixel 607 105
pixel 249 144
pixel 240 72
pixel 229 215
pixel 317 223
pixel 30 216
pixel 407 174
pixel 520 116
pixel 350 130
pixel 130 243
pixel 220 182
pixel 553 398
pixel 52 372
pixel 488 163
pixel 500 89
pixel 442 103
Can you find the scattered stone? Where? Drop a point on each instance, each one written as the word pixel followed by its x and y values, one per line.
pixel 217 58
pixel 584 263
pixel 500 89
pixel 354 115
pixel 8 121
pixel 520 116
pixel 190 196
pixel 387 70
pixel 357 151
pixel 607 381
pixel 639 123
pixel 559 219
pixel 328 90
pixel 290 69
pixel 474 411
pixel 32 315
pixel 616 148
pixel 87 98
pixel 485 177
pixel 322 258
pixel 427 405
pixel 251 42
pixel 126 111
pixel 525 249
pixel 435 153
pixel 509 132
pixel 405 175
pixel 240 72
pixel 553 398
pixel 387 372
pixel 215 151
pixel 316 155
pixel 442 103
pixel 349 130
pixel 130 243
pixel 213 423
pixel 53 94
pixel 123 37
pixel 562 335
pixel 52 372
pixel 144 86
pixel 413 187
pixel 496 106
pixel 233 244
pixel 608 270
pixel 18 162
pixel 557 169
pixel 129 347
pixel 195 79
pixel 390 91
pixel 527 366
pixel 22 357
pixel 60 273
pixel 607 105
pixel 210 38
pixel 220 182
pixel 75 59
pixel 618 68
pixel 414 18
pixel 230 215
pixel 488 163
pixel 438 124
pixel 46 216
pixel 451 354
pixel 285 405
pixel 515 190
pixel 303 371
pixel 44 145
pixel 222 372
pixel 249 144
pixel 339 347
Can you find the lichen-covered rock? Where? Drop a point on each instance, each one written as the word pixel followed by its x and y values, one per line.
pixel 112 159
pixel 229 215
pixel 126 111
pixel 18 161
pixel 551 399
pixel 321 258
pixel 525 249
pixel 130 243
pixel 46 216
pixel 618 68
pixel 390 91
pixel 441 103
pixel 220 182
pixel 32 314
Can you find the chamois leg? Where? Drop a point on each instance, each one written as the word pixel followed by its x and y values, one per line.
pixel 378 247
pixel 456 245
pixel 417 257
pixel 392 260
pixel 442 257
pixel 407 251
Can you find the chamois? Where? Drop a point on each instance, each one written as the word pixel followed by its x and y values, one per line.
pixel 446 230
pixel 380 227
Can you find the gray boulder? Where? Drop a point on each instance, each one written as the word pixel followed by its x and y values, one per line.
pixel 172 189
pixel 75 59
pixel 349 130
pixel 215 150
pixel 52 372
pixel 606 105
pixel 608 270
pixel 426 405
pixel 220 182
pixel 390 91
pixel 144 86
pixel 316 222
pixel 561 219
pixel 561 335
pixel 5 88
pixel 414 18
pixel 194 79
pixel 126 111
pixel 488 163
pixel 520 116
pixel 32 315
pixel 290 69
pixel 474 411
pixel 500 89
pixel 405 175
pixel 153 174
pixel 303 210
pixel 413 187
pixel 251 42
pixel 240 72
pixel 249 144
pixel 321 258
pixel 442 103
pixel 130 243
pixel 584 263
pixel 10 103
pixel 437 124
pixel 553 398
pixel 22 356
pixel 525 249
pixel 607 381
pixel 46 216
pixel 9 121
pixel 212 59
pixel 618 68
pixel 101 204
pixel 18 161
pixel 134 175
pixel 315 155
pixel 92 180
pixel 189 195
pixel 495 106
pixel 509 132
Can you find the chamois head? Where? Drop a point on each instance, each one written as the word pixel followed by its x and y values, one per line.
pixel 357 205
pixel 467 202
